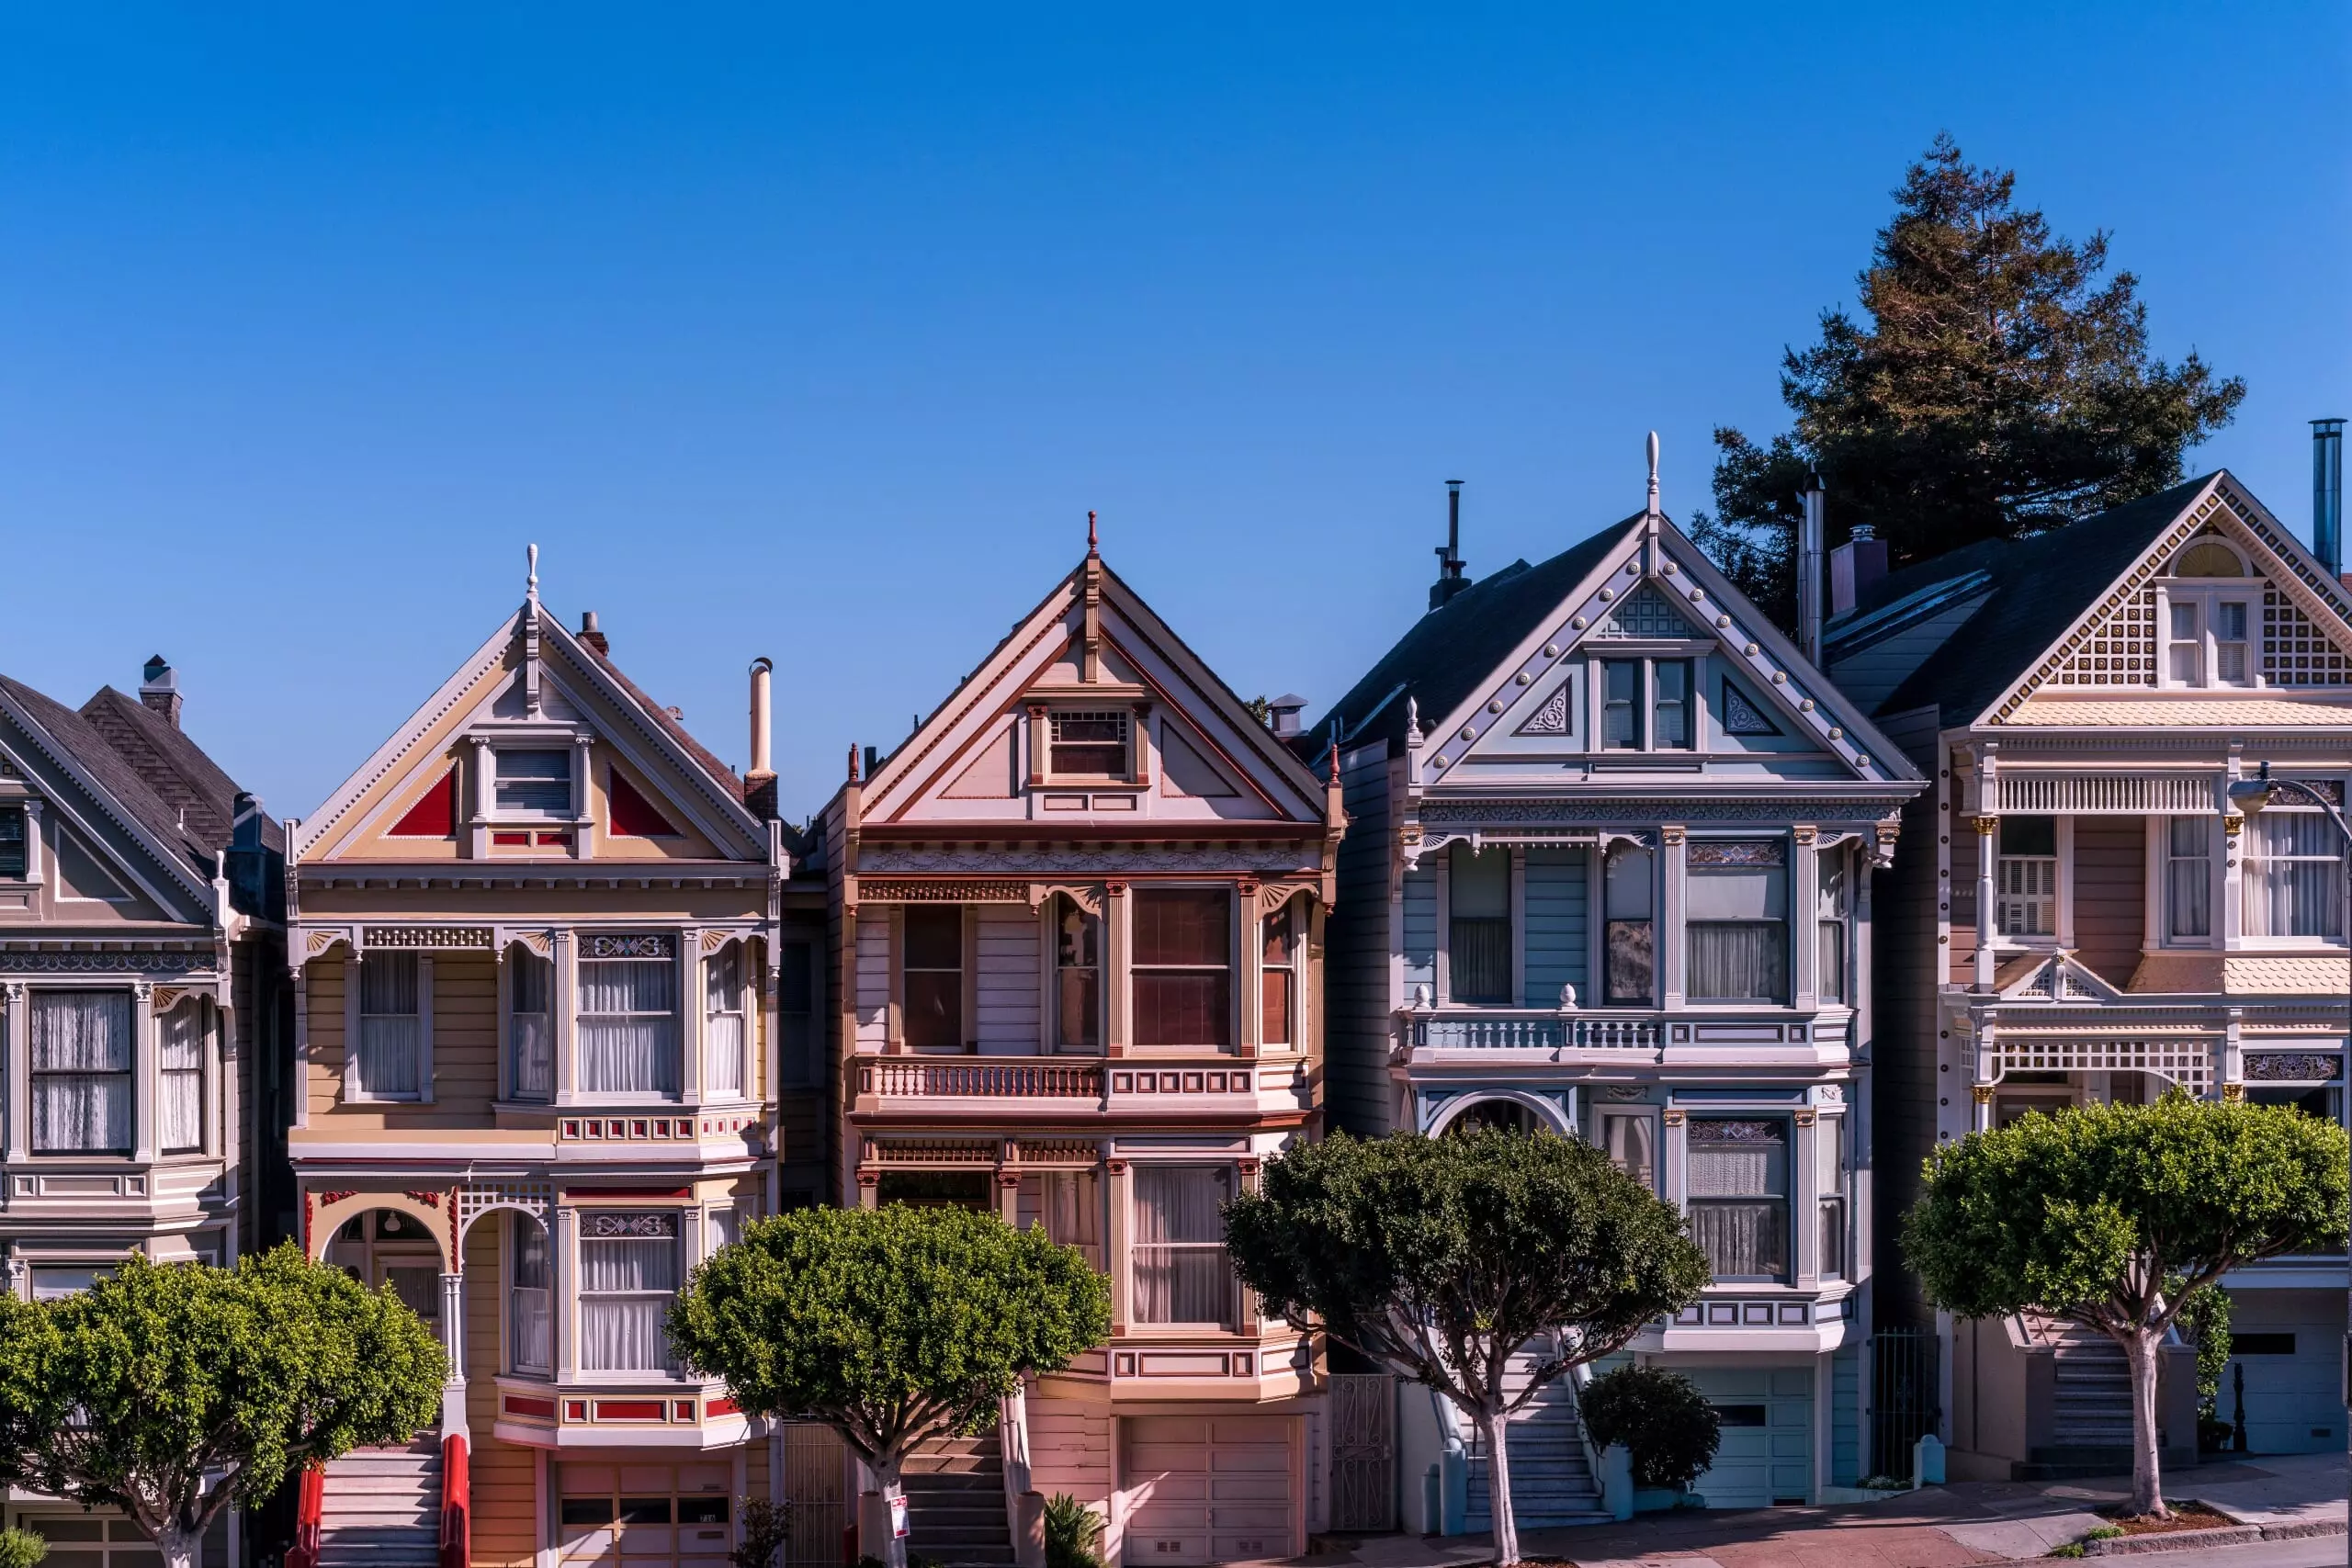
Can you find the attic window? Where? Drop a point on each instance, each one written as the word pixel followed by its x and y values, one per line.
pixel 534 783
pixel 1088 745
pixel 12 842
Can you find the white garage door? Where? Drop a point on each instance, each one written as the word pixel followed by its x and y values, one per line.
pixel 1207 1489
pixel 1766 1457
pixel 2293 1376
pixel 644 1516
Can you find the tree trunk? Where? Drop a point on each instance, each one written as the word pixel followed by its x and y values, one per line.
pixel 178 1546
pixel 886 1477
pixel 1494 1426
pixel 2147 1490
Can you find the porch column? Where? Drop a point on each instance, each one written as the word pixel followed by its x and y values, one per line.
pixel 566 1247
pixel 453 1341
pixel 1804 899
pixel 563 951
pixel 692 979
pixel 2229 1073
pixel 1981 1090
pixel 1673 1158
pixel 16 1094
pixel 1988 842
pixel 1115 1241
pixel 1806 1194
pixel 1665 933
pixel 144 1076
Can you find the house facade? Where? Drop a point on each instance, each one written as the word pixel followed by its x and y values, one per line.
pixel 553 1003
pixel 1079 921
pixel 1608 875
pixel 2080 919
pixel 140 985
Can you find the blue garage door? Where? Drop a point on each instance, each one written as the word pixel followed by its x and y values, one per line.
pixel 1767 1452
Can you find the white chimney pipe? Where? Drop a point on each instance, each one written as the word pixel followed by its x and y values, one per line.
pixel 759 718
pixel 1809 539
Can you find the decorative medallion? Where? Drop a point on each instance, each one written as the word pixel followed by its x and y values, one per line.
pixel 1552 718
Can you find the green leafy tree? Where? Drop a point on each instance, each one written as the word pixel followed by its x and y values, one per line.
pixel 1669 1430
pixel 891 1326
pixel 22 1549
pixel 172 1393
pixel 2115 1217
pixel 1442 1258
pixel 2000 387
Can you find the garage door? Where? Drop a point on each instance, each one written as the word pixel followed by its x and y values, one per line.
pixel 1207 1489
pixel 2290 1380
pixel 1766 1457
pixel 644 1516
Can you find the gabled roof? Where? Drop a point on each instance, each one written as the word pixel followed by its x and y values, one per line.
pixel 1453 649
pixel 175 766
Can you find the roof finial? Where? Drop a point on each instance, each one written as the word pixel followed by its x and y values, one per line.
pixel 531 580
pixel 852 762
pixel 1653 511
pixel 1093 545
pixel 1334 761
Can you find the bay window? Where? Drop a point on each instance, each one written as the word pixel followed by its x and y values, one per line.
pixel 934 977
pixel 628 1016
pixel 1832 910
pixel 391 1042
pixel 724 1031
pixel 1629 947
pixel 1278 977
pixel 2025 878
pixel 1833 1161
pixel 1739 1197
pixel 1181 1272
pixel 1478 925
pixel 530 1031
pixel 1078 977
pixel 1183 967
pixel 1736 920
pixel 179 1118
pixel 81 1072
pixel 628 1276
pixel 2188 877
pixel 2294 875
pixel 530 1338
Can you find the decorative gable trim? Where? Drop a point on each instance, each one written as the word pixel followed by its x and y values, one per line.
pixel 1552 718
pixel 193 899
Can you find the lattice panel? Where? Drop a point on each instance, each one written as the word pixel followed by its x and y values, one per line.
pixel 1644 613
pixel 2184 1061
pixel 476 1198
pixel 2121 649
pixel 2125 794
pixel 2294 651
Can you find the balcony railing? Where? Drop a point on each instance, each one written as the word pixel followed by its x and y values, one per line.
pixel 1535 1034
pixel 981 1080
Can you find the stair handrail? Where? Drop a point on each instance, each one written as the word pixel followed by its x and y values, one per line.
pixel 1012 1443
pixel 1453 1467
pixel 1580 1378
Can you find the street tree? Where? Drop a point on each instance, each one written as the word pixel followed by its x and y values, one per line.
pixel 1442 1258
pixel 2000 385
pixel 2115 1217
pixel 173 1392
pixel 891 1326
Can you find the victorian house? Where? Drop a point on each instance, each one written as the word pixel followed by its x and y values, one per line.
pixel 2083 916
pixel 1608 875
pixel 553 994
pixel 1078 917
pixel 140 983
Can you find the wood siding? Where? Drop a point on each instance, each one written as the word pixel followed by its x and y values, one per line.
pixel 2110 892
pixel 1356 998
pixel 1007 985
pixel 1905 1053
pixel 1557 928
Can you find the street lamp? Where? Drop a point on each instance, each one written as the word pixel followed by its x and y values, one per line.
pixel 2250 795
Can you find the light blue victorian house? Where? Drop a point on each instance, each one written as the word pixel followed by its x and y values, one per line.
pixel 1608 873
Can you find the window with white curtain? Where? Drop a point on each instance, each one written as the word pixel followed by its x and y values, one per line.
pixel 628 1276
pixel 1181 1272
pixel 726 1226
pixel 1740 1196
pixel 2294 875
pixel 1735 907
pixel 81 1072
pixel 2188 877
pixel 390 1034
pixel 628 1016
pixel 530 1024
pixel 1831 1152
pixel 724 1022
pixel 530 1334
pixel 1073 1206
pixel 179 1110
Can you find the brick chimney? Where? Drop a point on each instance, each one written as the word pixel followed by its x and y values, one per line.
pixel 591 634
pixel 161 690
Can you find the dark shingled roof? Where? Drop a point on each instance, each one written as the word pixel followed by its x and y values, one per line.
pixel 153 772
pixel 721 774
pixel 2040 586
pixel 1452 649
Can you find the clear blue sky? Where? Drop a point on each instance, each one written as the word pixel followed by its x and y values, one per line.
pixel 815 333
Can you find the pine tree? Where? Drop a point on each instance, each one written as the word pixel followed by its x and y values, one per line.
pixel 1999 388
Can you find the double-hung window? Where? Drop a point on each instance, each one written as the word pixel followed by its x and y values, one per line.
pixel 725 1021
pixel 1832 1163
pixel 530 1335
pixel 81 1072
pixel 1078 977
pixel 1278 977
pixel 1478 925
pixel 2025 878
pixel 1832 910
pixel 628 1276
pixel 1629 953
pixel 2189 878
pixel 390 1027
pixel 532 783
pixel 934 977
pixel 628 1016
pixel 1088 745
pixel 179 1120
pixel 1183 966
pixel 530 1027
pixel 1736 921
pixel 14 858
pixel 1181 1272
pixel 2294 875
pixel 1645 705
pixel 1739 1197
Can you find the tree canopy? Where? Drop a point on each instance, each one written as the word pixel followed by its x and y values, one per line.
pixel 889 1324
pixel 2115 1216
pixel 174 1392
pixel 1999 388
pixel 1442 1258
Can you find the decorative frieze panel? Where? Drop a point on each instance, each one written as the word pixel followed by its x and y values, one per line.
pixel 2293 1066
pixel 651 946
pixel 103 963
pixel 2092 795
pixel 1084 860
pixel 874 890
pixel 425 938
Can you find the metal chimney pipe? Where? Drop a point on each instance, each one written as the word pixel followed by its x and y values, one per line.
pixel 1809 543
pixel 2327 493
pixel 761 718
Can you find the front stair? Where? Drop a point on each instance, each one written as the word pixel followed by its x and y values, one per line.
pixel 381 1508
pixel 2090 1429
pixel 955 1511
pixel 1552 1483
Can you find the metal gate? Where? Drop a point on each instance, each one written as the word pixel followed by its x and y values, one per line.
pixel 1904 1403
pixel 816 1468
pixel 1363 1452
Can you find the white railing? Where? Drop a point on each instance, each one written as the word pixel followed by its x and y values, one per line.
pixel 981 1080
pixel 1535 1033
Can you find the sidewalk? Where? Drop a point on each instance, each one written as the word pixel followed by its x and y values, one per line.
pixel 1941 1526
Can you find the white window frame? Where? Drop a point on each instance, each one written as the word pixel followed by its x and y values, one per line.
pixel 683 975
pixel 205 1022
pixel 2247 858
pixel 1233 1319
pixel 733 950
pixel 579 1295
pixel 2201 597
pixel 354 1091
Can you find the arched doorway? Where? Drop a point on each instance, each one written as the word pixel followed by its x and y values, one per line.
pixel 391 1246
pixel 1507 1112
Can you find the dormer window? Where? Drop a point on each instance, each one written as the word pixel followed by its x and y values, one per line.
pixel 533 784
pixel 1645 705
pixel 2210 613
pixel 1091 745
